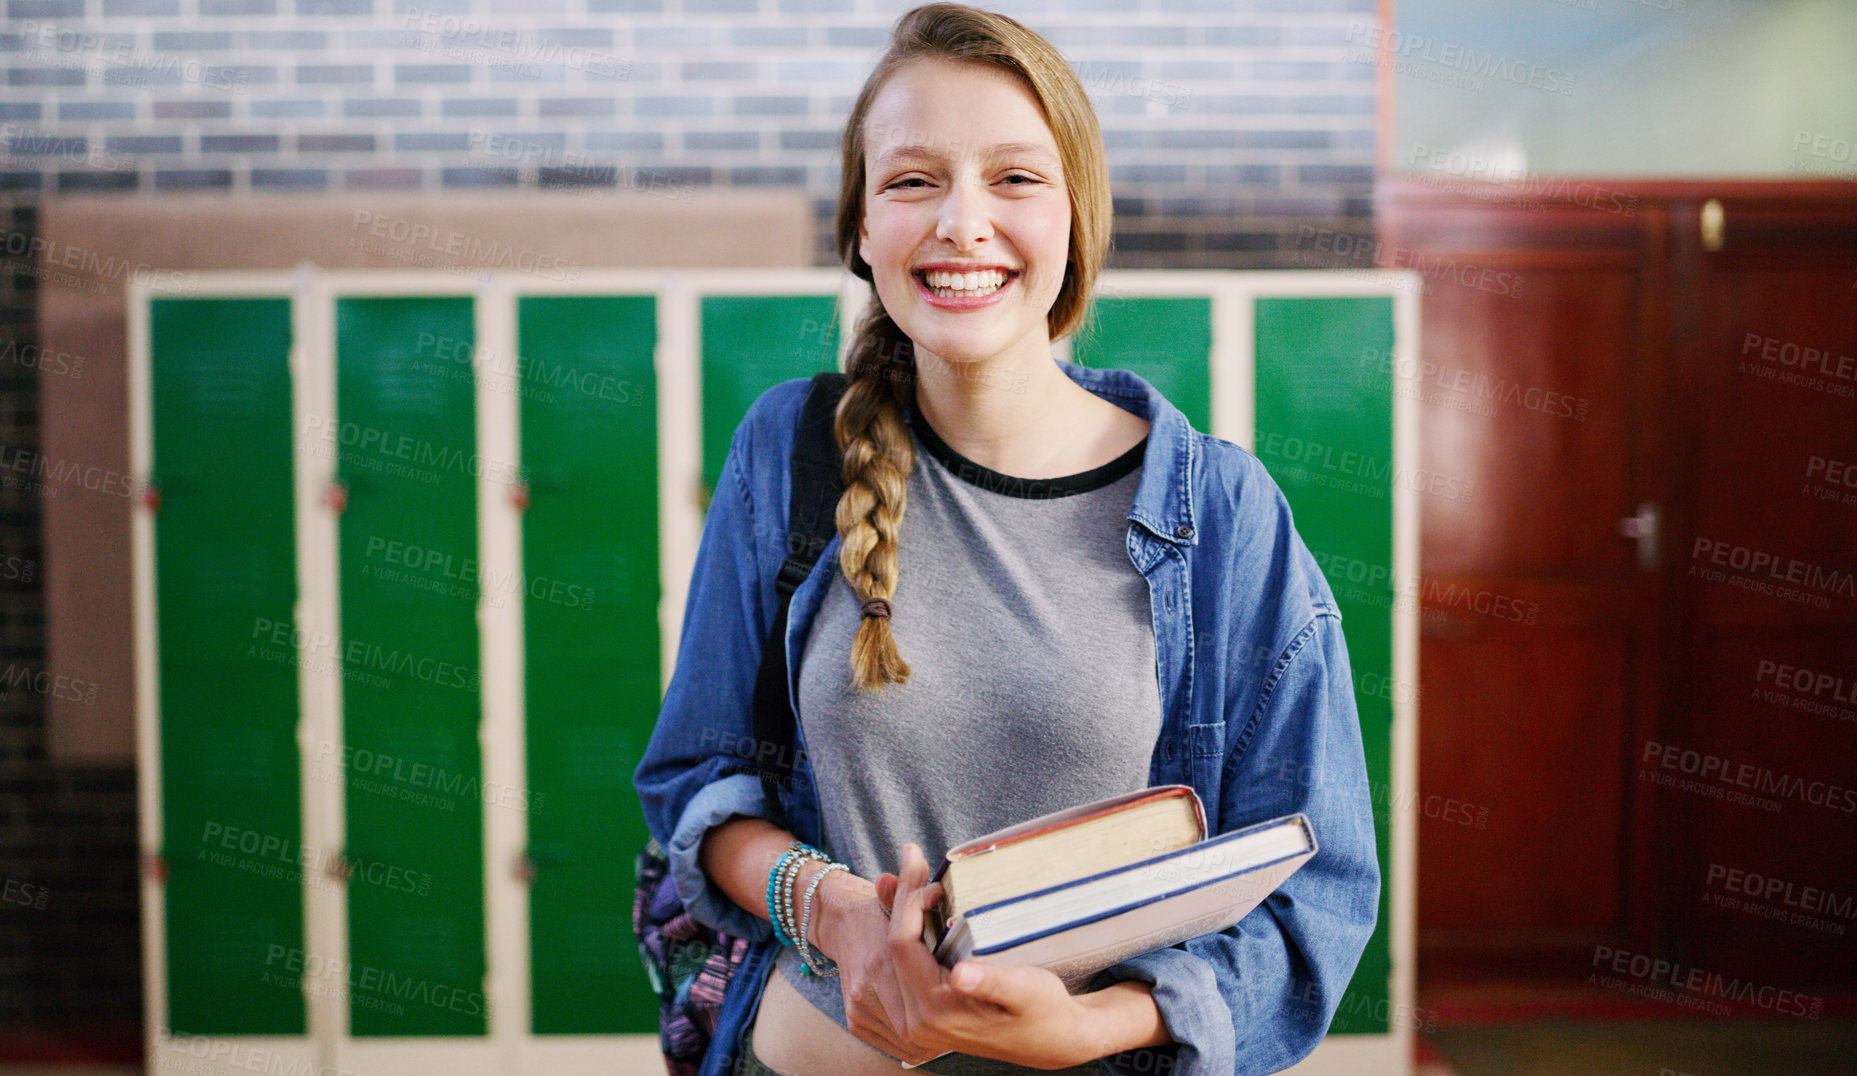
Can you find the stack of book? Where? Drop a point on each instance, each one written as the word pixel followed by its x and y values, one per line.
pixel 1077 890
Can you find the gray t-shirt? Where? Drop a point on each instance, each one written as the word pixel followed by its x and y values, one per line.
pixel 1033 686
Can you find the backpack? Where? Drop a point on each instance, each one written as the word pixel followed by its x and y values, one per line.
pixel 688 962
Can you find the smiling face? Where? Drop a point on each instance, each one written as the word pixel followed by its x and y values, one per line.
pixel 966 217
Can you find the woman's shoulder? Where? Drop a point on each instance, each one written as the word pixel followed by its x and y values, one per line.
pixel 1230 480
pixel 777 408
pixel 1252 529
pixel 766 430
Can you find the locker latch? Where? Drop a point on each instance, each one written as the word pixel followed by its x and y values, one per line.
pixel 155 866
pixel 340 867
pixel 524 869
pixel 336 496
pixel 519 496
pixel 151 496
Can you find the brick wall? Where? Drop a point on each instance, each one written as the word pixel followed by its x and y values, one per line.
pixel 1230 124
pixel 1235 128
pixel 70 932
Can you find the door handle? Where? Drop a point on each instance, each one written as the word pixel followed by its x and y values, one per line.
pixel 1713 218
pixel 1643 527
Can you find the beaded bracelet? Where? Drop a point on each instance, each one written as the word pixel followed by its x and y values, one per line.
pixel 821 968
pixel 773 909
pixel 776 882
pixel 783 890
pixel 780 888
pixel 789 889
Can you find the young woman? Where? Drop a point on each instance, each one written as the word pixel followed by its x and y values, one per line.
pixel 1045 588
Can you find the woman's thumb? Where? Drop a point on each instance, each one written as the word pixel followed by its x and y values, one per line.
pixel 886 890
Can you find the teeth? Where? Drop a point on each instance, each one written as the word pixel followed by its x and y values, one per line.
pixel 980 282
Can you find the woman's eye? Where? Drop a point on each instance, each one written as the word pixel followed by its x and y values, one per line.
pixel 1023 179
pixel 904 182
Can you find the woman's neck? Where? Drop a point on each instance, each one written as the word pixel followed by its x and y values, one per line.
pixel 1022 415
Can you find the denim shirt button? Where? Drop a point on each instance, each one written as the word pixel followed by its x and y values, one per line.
pixel 1184 530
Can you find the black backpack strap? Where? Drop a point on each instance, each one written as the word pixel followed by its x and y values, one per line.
pixel 817 483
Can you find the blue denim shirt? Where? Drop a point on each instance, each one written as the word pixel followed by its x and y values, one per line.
pixel 1258 716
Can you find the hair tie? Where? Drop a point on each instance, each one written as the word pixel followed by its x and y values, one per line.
pixel 876 607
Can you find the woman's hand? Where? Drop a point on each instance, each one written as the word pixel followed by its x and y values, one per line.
pixel 1019 1014
pixel 855 934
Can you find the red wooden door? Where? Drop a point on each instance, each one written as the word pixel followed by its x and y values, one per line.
pixel 1657 735
pixel 1756 764
pixel 1535 390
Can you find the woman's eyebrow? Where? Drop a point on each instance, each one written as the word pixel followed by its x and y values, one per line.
pixel 920 151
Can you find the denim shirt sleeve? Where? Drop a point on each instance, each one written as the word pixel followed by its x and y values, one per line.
pixel 698 769
pixel 1258 996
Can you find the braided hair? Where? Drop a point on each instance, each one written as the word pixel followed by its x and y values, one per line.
pixel 880 367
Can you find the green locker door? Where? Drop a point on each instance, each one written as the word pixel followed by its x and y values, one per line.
pixel 1325 431
pixel 590 610
pixel 225 596
pixel 1165 340
pixel 750 344
pixel 406 439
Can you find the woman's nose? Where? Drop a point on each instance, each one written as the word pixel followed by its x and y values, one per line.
pixel 964 220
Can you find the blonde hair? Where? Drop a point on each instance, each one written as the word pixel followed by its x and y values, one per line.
pixel 880 367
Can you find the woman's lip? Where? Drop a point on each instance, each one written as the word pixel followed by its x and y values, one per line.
pixel 961 303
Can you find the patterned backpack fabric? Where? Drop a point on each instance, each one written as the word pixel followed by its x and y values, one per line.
pixel 688 962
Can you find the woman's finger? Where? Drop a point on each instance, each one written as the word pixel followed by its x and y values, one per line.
pixel 905 1009
pixel 882 1006
pixel 873 1032
pixel 910 879
pixel 921 975
pixel 876 1026
pixel 916 972
pixel 883 1009
pixel 912 876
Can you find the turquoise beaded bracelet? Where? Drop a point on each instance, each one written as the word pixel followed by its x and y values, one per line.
pixel 783 890
pixel 780 889
pixel 787 892
pixel 773 910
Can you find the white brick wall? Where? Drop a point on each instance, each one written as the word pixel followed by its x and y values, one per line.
pixel 1230 124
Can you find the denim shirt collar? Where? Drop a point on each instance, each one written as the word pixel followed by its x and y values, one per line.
pixel 1164 500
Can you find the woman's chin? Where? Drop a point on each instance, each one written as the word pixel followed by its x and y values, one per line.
pixel 963 348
